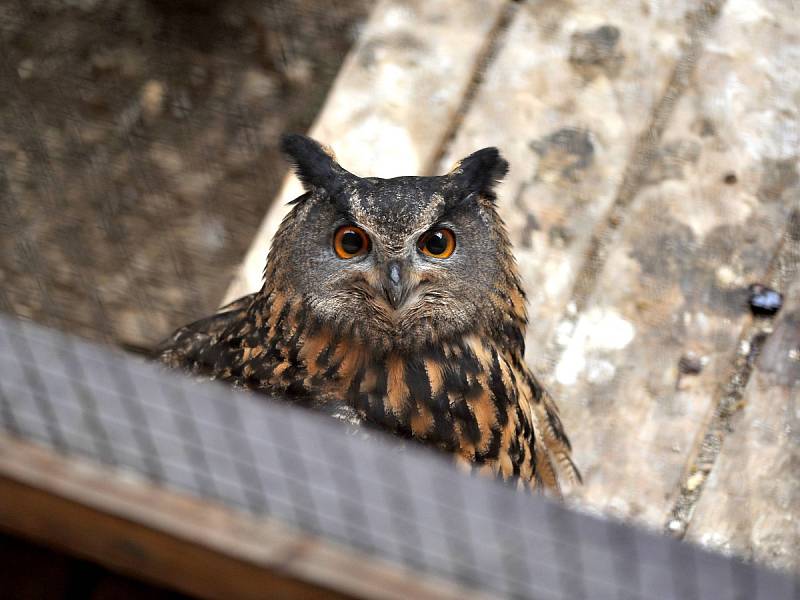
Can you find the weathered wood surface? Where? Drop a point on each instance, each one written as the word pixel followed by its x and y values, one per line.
pixel 197 546
pixel 654 152
pixel 394 101
pixel 749 506
pixel 706 221
pixel 571 90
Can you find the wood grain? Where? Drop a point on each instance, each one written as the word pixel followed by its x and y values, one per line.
pixel 198 547
pixel 566 99
pixel 705 224
pixel 751 502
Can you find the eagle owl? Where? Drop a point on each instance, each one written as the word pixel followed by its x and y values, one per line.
pixel 397 300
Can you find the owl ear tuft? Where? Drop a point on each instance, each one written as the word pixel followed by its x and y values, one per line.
pixel 315 166
pixel 480 172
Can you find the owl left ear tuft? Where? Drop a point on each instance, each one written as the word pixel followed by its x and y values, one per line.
pixel 315 166
pixel 480 172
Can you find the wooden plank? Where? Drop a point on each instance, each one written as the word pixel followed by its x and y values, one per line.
pixel 139 551
pixel 393 102
pixel 671 298
pixel 566 99
pixel 750 505
pixel 208 550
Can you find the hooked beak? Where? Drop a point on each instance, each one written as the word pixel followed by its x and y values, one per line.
pixel 395 284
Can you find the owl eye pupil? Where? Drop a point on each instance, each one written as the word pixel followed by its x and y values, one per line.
pixel 351 242
pixel 436 243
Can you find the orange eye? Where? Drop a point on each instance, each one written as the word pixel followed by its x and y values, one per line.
pixel 350 241
pixel 438 243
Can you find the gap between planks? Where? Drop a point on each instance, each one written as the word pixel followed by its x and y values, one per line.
pixel 641 159
pixel 785 264
pixel 494 42
pixel 120 520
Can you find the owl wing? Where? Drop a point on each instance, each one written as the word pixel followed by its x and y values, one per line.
pixel 478 400
pixel 189 346
pixel 208 347
pixel 534 444
pixel 552 450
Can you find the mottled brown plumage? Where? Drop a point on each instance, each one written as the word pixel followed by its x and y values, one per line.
pixel 427 346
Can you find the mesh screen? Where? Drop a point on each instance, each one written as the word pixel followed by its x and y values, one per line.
pixel 369 492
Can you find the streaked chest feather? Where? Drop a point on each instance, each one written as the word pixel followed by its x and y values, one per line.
pixel 472 396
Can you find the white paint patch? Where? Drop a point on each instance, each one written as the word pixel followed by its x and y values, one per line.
pixel 558 279
pixel 564 331
pixel 727 277
pixel 395 17
pixel 598 329
pixel 718 541
pixel 599 371
pixel 747 11
pixel 571 365
pixel 607 330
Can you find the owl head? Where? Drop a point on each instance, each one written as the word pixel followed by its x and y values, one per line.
pixel 401 262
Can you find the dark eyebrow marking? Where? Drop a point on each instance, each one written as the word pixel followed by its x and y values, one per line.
pixel 343 212
pixel 452 207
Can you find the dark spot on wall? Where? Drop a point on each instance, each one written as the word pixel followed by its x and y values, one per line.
pixel 793 230
pixel 690 364
pixel 560 236
pixel 663 253
pixel 704 127
pixel 764 301
pixel 672 159
pixel 531 225
pixel 779 175
pixel 595 52
pixel 564 154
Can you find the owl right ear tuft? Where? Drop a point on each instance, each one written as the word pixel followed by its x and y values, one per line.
pixel 480 172
pixel 315 166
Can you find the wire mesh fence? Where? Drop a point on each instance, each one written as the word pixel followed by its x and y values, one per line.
pixel 137 156
pixel 371 493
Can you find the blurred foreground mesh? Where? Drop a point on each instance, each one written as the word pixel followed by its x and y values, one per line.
pixel 397 502
pixel 136 161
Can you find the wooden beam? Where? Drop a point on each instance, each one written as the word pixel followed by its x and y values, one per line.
pixel 201 548
pixel 139 551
